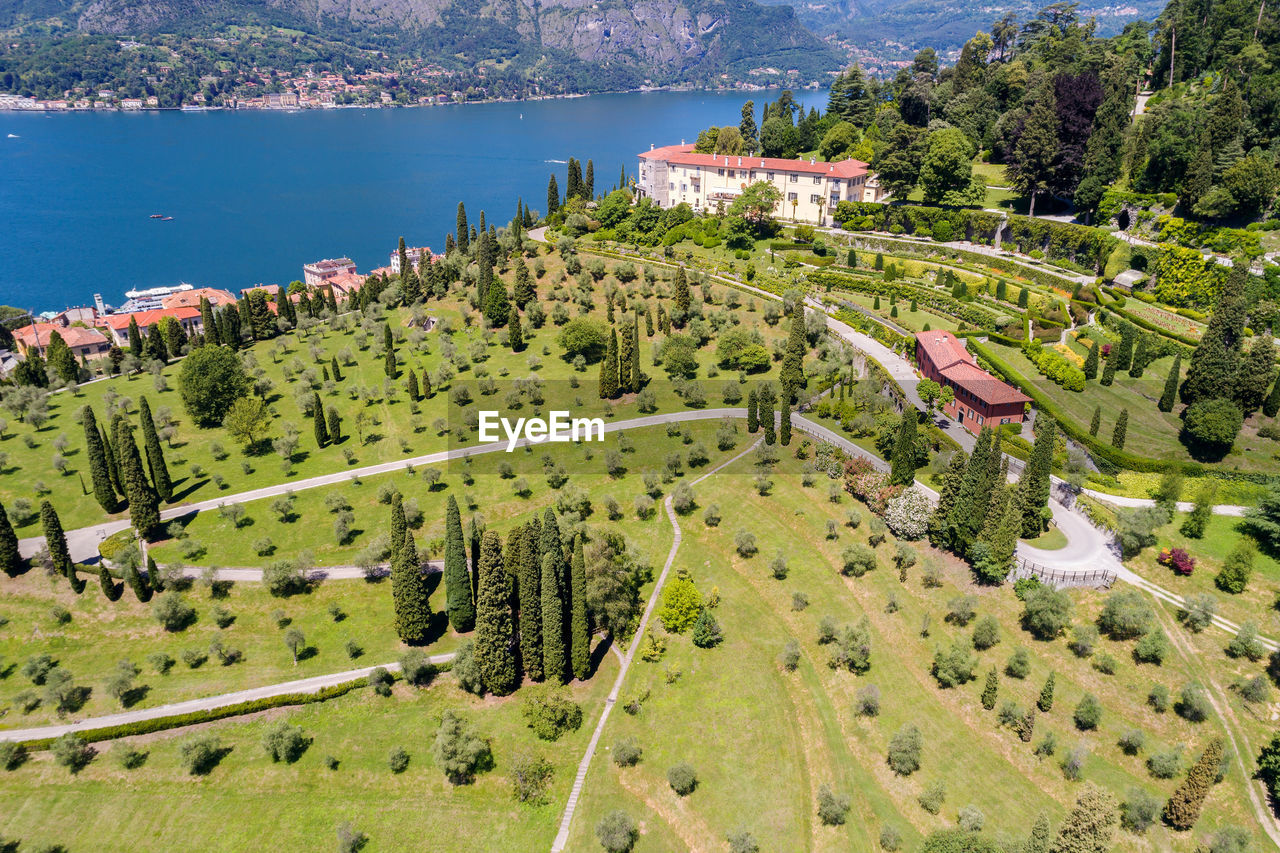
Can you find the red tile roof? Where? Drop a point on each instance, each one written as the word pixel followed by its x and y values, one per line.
pixel 957 365
pixel 684 155
pixel 148 318
pixel 192 298
pixel 944 349
pixel 75 336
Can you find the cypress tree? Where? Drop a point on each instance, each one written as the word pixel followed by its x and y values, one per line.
pixel 1122 427
pixel 389 364
pixel 1024 297
pixel 952 480
pixel 1215 360
pixel 208 323
pixel 903 460
pixel 138 583
pixel 515 333
pixel 318 422
pixel 333 368
pixel 1037 477
pixel 791 374
pixel 11 562
pixel 494 631
pixel 1109 369
pixel 497 305
pixel 764 401
pixel 990 690
pixel 473 544
pixel 56 541
pixel 1271 405
pixel 589 182
pixel 523 291
pixel 966 512
pixel 609 368
pixel 113 467
pixel 408 587
pixel 753 412
pixel 529 589
pixel 153 575
pixel 553 196
pixel 457 577
pixel 1254 376
pixel 97 457
pixel 636 374
pixel 648 321
pixel 1183 808
pixel 573 183
pixel 1041 835
pixel 135 338
pixel 144 504
pixel 334 426
pixel 784 425
pixel 1140 357
pixel 624 358
pixel 1091 361
pixel 1045 702
pixel 109 588
pixel 1125 358
pixel 554 659
pixel 1096 422
pixel 579 633
pixel 1170 393
pixel 412 386
pixel 681 297
pixel 464 237
pixel 160 480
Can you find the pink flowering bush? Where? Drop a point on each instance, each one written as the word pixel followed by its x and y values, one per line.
pixel 1177 559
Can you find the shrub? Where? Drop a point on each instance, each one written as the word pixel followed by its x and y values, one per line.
pixel 1105 664
pixel 1018 665
pixel 1139 811
pixel 706 631
pixel 890 838
pixel 201 753
pixel 1125 615
pixel 626 752
pixel 617 832
pixel 1165 765
pixel 986 633
pixel 72 752
pixel 857 559
pixel 1245 644
pixel 905 748
pixel 971 818
pixel 1073 763
pixel 1177 559
pixel 1088 713
pixel 832 808
pixel 683 779
pixel 1237 568
pixel 1084 639
pixel 284 742
pixel 1131 741
pixel 962 609
pixel 867 702
pixel 954 667
pixel 1046 612
pixel 1199 612
pixel 1152 648
pixel 933 796
pixel 743 842
pixel 530 776
pixel 1193 703
pixel 790 657
pixel 550 712
pixel 172 612
pixel 681 605
pixel 398 760
pixel 1211 426
pixel 380 680
pixel 1158 698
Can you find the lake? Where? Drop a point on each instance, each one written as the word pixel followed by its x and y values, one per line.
pixel 255 195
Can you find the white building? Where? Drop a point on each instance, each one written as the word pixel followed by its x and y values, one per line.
pixel 319 272
pixel 676 174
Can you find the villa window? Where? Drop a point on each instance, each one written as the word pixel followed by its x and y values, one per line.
pixel 722 173
pixel 815 199
pixel 791 196
pixel 771 176
pixel 795 178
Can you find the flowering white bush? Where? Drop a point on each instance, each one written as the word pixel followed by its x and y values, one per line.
pixel 908 514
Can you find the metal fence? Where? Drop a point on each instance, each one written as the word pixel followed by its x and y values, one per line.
pixel 1058 578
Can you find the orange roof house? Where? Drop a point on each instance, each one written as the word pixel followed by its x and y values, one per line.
pixel 118 324
pixel 84 343
pixel 191 298
pixel 980 398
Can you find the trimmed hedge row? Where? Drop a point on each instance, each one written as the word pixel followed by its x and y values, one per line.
pixel 1039 277
pixel 1077 243
pixel 1054 366
pixel 942 302
pixel 1149 326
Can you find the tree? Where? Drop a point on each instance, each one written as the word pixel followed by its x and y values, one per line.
pixel 905 748
pixel 1169 395
pixel 1237 568
pixel 211 379
pixel 318 424
pixel 523 542
pixel 990 689
pixel 247 420
pixel 160 479
pixel 897 162
pixel 1210 426
pixel 617 832
pixel 1121 430
pixel 457 577
pixel 1033 486
pixel 1046 612
pixel 791 374
pixel 903 461
pixel 1183 808
pixel 1091 362
pixel 1090 825
pixel 1045 701
pixel 747 128
pixel 1214 362
pixel 553 197
pixel 463 232
pixel 409 592
pixel 1034 154
pixel 99 472
pixel 579 632
pixel 706 631
pixel 458 751
pixel 11 562
pixel 494 630
pixel 946 172
pixel 144 505
pixel 753 411
pixel 608 385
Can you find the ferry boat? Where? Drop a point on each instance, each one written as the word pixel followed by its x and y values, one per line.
pixel 157 216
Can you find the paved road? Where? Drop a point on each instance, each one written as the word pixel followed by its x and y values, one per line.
pixel 210 703
pixel 566 820
pixel 1183 506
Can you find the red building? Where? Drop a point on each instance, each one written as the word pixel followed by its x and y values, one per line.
pixel 980 398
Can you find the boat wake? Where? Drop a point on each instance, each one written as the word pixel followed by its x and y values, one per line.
pixel 561 162
pixel 14 136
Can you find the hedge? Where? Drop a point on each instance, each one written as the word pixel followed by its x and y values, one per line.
pixel 1008 266
pixel 1054 366
pixel 1116 307
pixel 1080 244
pixel 943 303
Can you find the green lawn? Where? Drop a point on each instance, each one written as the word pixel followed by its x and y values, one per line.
pixel 1050 540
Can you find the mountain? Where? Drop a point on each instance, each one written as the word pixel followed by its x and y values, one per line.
pixel 663 41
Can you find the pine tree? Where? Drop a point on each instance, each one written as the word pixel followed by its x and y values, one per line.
pixel 318 424
pixel 11 562
pixel 160 479
pixel 553 196
pixel 457 577
pixel 764 401
pixel 144 505
pixel 903 460
pixel 409 593
pixel 97 458
pixel 1170 393
pixel 990 690
pixel 1091 361
pixel 464 238
pixel 579 632
pixel 609 368
pixel 56 542
pixel 791 374
pixel 1122 428
pixel 680 296
pixel 1096 422
pixel 494 631
pixel 1045 702
pixel 1183 808
pixel 529 589
pixel 1037 478
pixel 1090 825
pixel 753 411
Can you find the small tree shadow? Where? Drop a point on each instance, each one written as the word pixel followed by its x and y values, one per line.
pixel 135 695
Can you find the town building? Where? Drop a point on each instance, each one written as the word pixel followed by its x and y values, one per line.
pixel 83 342
pixel 191 298
pixel 317 273
pixel 980 398
pixel 677 174
pixel 117 325
pixel 415 255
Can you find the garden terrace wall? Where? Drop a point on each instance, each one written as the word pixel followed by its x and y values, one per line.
pixel 1079 244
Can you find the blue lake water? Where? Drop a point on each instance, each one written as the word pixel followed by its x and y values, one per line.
pixel 255 195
